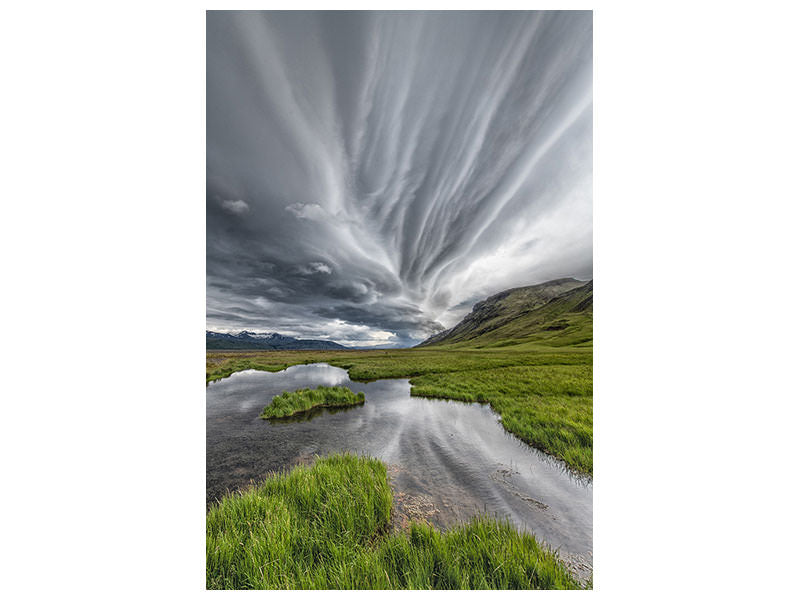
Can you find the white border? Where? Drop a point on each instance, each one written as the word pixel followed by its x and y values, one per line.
pixel 103 246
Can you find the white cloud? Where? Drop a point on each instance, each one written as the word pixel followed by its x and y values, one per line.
pixel 237 206
pixel 312 212
pixel 314 267
pixel 320 267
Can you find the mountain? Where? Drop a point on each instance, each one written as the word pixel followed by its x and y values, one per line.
pixel 248 340
pixel 555 313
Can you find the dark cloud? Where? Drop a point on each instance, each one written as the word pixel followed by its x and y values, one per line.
pixel 371 175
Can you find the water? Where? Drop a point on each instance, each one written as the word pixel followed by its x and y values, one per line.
pixel 447 460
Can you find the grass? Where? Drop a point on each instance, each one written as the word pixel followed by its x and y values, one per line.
pixel 326 527
pixel 300 401
pixel 543 393
pixel 547 406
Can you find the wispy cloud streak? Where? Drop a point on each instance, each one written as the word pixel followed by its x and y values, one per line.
pixel 372 174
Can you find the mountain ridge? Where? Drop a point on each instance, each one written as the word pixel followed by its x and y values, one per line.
pixel 249 340
pixel 557 312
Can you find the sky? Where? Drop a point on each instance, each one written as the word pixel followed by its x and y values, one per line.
pixel 370 176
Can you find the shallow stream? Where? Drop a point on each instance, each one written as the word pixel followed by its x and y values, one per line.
pixel 447 460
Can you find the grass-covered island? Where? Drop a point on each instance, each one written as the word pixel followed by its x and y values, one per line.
pixel 327 526
pixel 300 401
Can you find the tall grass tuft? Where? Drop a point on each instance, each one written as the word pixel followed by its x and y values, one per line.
pixel 299 401
pixel 326 527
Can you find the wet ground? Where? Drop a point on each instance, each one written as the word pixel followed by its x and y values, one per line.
pixel 447 460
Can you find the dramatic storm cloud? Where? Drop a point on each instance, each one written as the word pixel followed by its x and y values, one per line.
pixel 371 175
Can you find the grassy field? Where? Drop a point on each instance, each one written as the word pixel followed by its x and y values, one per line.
pixel 299 401
pixel 548 406
pixel 326 527
pixel 542 393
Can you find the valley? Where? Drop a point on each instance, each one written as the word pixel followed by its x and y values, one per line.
pixel 481 433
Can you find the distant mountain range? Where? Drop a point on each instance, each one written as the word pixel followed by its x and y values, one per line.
pixel 248 340
pixel 555 313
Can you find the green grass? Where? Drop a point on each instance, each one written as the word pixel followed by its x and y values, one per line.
pixel 368 365
pixel 326 527
pixel 300 401
pixel 542 393
pixel 547 406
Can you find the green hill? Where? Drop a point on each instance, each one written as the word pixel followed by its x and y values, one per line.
pixel 556 313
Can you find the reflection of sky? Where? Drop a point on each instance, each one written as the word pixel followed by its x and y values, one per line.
pixel 318 374
pixel 245 389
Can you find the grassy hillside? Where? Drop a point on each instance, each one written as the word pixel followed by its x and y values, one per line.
pixel 557 313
